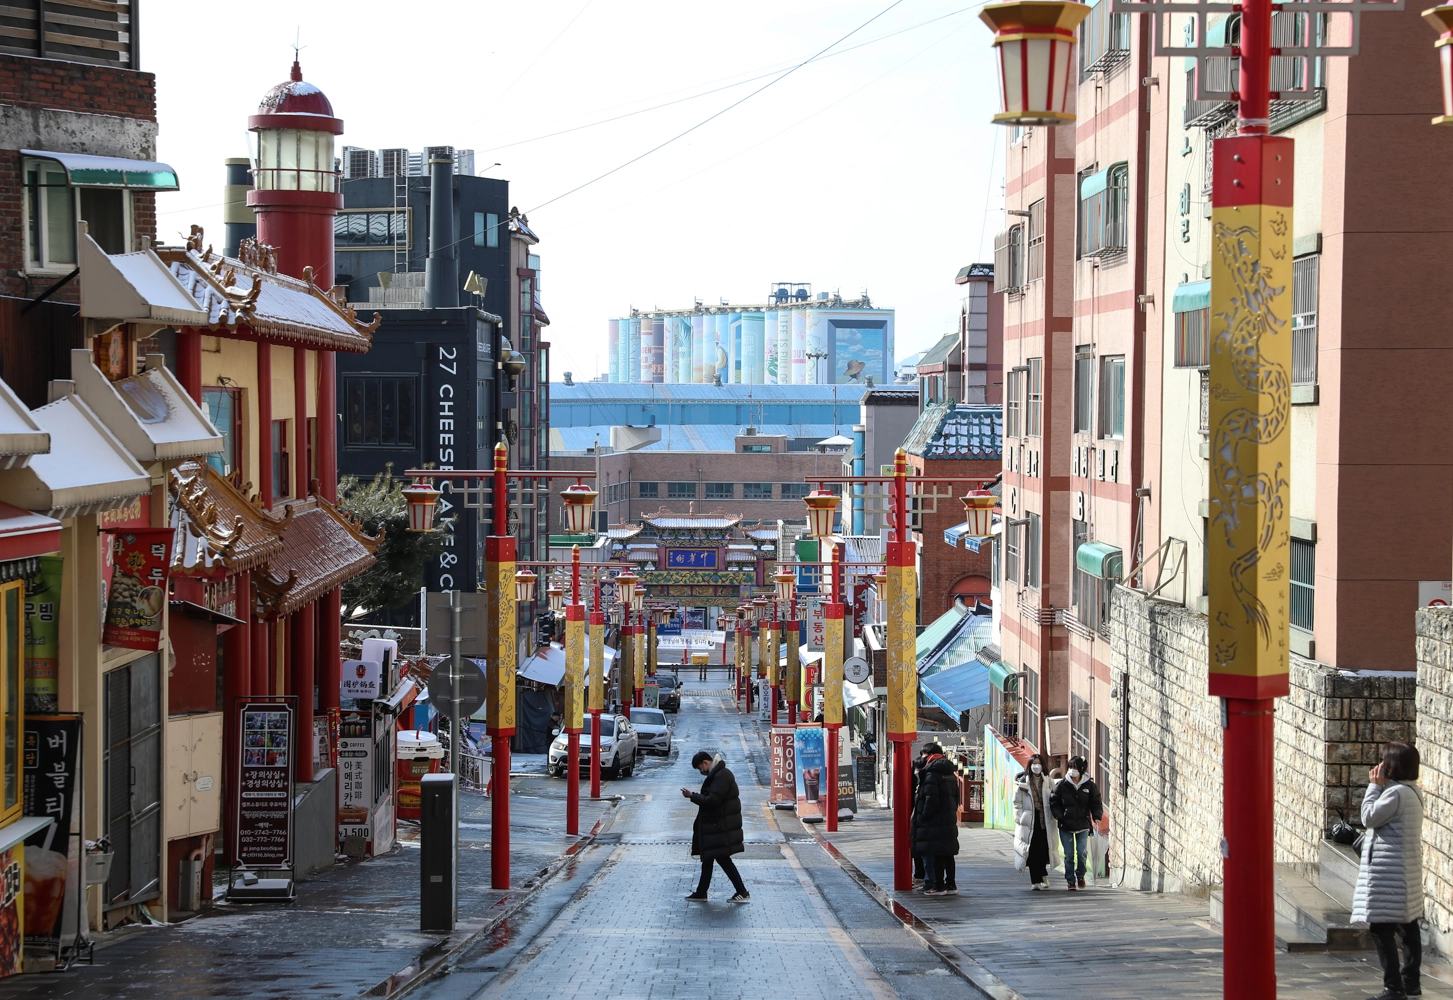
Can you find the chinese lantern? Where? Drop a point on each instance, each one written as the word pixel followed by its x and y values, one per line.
pixel 785 584
pixel 978 511
pixel 421 498
pixel 525 586
pixel 821 508
pixel 626 588
pixel 1441 18
pixel 1036 43
pixel 579 502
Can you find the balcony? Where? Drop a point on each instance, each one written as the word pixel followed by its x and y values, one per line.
pixel 1104 39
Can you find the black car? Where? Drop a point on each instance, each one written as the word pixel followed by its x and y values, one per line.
pixel 670 694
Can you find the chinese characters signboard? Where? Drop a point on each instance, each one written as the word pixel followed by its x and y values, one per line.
pixel 691 558
pixel 50 784
pixel 137 595
pixel 265 785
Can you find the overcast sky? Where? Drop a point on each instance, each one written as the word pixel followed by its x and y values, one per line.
pixel 870 169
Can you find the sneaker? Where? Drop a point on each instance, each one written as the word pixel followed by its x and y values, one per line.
pixel 697 897
pixel 1415 990
pixel 952 890
pixel 1036 886
pixel 1072 887
pixel 935 892
pixel 741 897
pixel 1080 883
pixel 1389 994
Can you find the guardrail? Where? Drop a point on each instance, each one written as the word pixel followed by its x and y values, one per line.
pixel 474 773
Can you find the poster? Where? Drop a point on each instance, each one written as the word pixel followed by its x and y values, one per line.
pixel 137 595
pixel 847 785
pixel 355 776
pixel 265 785
pixel 50 784
pixel 652 694
pixel 810 755
pixel 10 943
pixel 695 619
pixel 784 768
pixel 764 699
pixel 858 353
pixel 1000 770
pixel 42 638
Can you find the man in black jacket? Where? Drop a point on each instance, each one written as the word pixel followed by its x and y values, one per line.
pixel 1077 807
pixel 717 833
pixel 935 822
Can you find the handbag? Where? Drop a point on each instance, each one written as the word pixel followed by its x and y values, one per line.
pixel 1099 848
pixel 1343 832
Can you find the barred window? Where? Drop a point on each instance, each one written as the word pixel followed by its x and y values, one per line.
pixel 1034 269
pixel 1079 727
pixel 1193 339
pixel 1029 699
pixel 1112 397
pixel 1014 404
pixel 1303 583
pixel 1084 390
pixel 1306 279
pixel 1011 553
pixel 1031 550
pixel 1104 208
pixel 1034 405
pixel 1009 259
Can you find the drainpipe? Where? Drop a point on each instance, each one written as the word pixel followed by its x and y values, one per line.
pixel 860 459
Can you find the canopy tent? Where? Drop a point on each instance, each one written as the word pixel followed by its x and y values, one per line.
pixel 545 666
pixel 958 689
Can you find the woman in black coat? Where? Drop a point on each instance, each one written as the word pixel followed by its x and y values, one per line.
pixel 935 822
pixel 717 833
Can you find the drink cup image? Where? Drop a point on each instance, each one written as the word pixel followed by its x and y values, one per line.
pixel 811 781
pixel 45 888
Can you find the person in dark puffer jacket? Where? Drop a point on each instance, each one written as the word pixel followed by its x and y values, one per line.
pixel 717 833
pixel 1077 808
pixel 935 822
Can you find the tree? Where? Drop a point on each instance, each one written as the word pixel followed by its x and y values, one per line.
pixel 396 577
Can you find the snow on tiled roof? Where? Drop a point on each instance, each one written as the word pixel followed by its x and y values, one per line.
pixel 957 430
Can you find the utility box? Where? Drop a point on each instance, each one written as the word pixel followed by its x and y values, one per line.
pixel 438 853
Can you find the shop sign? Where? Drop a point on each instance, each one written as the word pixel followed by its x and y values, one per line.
pixel 784 768
pixel 265 784
pixel 361 679
pixel 49 785
pixel 42 638
pixel 221 596
pixel 811 760
pixel 137 595
pixel 355 776
pixel 691 558
pixel 816 626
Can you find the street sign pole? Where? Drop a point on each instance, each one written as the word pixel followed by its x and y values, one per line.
pixel 456 726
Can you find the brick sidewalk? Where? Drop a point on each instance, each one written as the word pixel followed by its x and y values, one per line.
pixel 349 930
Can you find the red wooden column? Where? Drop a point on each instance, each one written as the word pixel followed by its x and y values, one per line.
pixel 260 658
pixel 189 362
pixel 301 473
pixel 330 605
pixel 236 684
pixel 264 424
pixel 303 649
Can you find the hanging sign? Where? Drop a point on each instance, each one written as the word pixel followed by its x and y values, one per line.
pixel 784 769
pixel 137 595
pixel 42 638
pixel 50 784
pixel 360 679
pixel 264 795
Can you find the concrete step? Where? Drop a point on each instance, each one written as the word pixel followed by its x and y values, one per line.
pixel 1337 872
pixel 1307 919
pixel 1290 936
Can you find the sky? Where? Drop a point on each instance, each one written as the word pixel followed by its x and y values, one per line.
pixel 874 166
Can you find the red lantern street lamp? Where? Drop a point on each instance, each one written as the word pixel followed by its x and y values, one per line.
pixel 1036 43
pixel 1441 18
pixel 525 586
pixel 421 498
pixel 979 511
pixel 626 588
pixel 579 502
pixel 786 583
pixel 556 595
pixel 821 509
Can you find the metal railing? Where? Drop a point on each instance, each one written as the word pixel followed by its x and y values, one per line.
pixel 474 773
pixel 1104 39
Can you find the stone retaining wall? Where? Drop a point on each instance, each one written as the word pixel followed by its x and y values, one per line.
pixel 1435 745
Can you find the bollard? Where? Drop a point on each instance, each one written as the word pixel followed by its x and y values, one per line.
pixel 438 853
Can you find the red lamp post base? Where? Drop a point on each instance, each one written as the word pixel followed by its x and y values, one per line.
pixel 572 783
pixel 902 815
pixel 499 816
pixel 594 754
pixel 832 778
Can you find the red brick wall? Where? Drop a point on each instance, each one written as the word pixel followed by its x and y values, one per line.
pixel 940 566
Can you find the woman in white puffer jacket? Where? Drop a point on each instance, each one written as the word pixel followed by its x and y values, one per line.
pixel 1389 893
pixel 1036 836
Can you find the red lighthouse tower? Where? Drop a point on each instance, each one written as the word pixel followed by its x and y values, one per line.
pixel 295 188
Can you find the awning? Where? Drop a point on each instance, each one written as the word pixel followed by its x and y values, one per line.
pixel 24 535
pixel 1099 559
pixel 1094 184
pixel 545 666
pixel 856 694
pixel 85 170
pixel 958 689
pixel 999 674
pixel 151 413
pixel 136 287
pixel 203 614
pixel 958 536
pixel 86 470
pixel 20 435
pixel 1191 297
pixel 402 697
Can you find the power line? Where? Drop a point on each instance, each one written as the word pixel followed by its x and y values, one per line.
pixel 540 55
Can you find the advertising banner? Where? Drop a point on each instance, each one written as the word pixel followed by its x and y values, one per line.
pixel 784 769
pixel 360 679
pixel 847 785
pixel 42 638
pixel 764 699
pixel 264 795
pixel 355 776
pixel 810 756
pixel 51 782
pixel 137 596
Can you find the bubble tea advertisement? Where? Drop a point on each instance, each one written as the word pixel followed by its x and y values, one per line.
pixel 137 595
pixel 811 756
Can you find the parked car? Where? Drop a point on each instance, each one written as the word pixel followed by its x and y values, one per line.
pixel 652 730
pixel 670 695
pixel 619 745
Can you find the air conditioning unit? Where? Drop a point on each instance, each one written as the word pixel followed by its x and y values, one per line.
pixel 1056 734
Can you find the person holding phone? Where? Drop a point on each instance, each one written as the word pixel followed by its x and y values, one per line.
pixel 717 833
pixel 1389 894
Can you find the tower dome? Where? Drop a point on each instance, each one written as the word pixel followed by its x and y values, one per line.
pixel 295 103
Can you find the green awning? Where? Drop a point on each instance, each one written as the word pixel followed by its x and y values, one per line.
pixel 999 674
pixel 1191 297
pixel 84 170
pixel 1094 183
pixel 1099 559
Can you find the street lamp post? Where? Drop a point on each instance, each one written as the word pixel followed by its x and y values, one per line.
pixel 596 687
pixel 821 508
pixel 574 694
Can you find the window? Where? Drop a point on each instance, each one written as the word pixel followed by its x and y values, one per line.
pixel 1084 390
pixel 1104 208
pixel 756 449
pixel 1029 698
pixel 12 628
pixel 1009 260
pixel 1193 340
pixel 795 491
pixel 1011 552
pixel 721 491
pixel 1014 403
pixel 486 229
pixel 1112 397
pixel 1104 40
pixel 1305 281
pixel 1079 727
pixel 527 294
pixel 1102 758
pixel 681 491
pixel 1034 405
pixel 382 410
pixel 1303 583
pixel 1034 264
pixel 52 207
pixel 756 491
pixel 360 230
pixel 1031 550
pixel 648 491
pixel 280 458
pixel 1080 534
pixel 224 408
pixel 1004 706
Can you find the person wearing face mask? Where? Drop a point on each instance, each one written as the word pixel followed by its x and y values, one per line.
pixel 1036 835
pixel 935 822
pixel 1077 807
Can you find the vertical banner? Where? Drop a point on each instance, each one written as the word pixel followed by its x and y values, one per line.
pixel 810 756
pixel 764 699
pixel 42 638
pixel 50 785
pixel 784 768
pixel 832 665
pixel 847 784
pixel 596 700
pixel 792 669
pixel 574 720
pixel 770 656
pixel 264 793
pixel 499 568
pixel 902 669
pixel 1250 411
pixel 137 595
pixel 355 776
pixel 640 661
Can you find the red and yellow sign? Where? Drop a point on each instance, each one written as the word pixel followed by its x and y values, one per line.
pixel 902 667
pixel 574 668
pixel 499 587
pixel 832 664
pixel 137 595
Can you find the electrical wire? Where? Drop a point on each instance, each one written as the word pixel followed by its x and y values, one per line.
pixel 540 55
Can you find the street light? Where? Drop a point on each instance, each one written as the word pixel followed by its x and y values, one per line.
pixel 421 499
pixel 979 511
pixel 579 501
pixel 1036 43
pixel 821 509
pixel 556 595
pixel 785 583
pixel 525 586
pixel 626 588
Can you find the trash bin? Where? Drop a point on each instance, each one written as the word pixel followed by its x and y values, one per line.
pixel 419 753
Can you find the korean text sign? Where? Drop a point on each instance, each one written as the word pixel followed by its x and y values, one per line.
pixel 265 784
pixel 137 595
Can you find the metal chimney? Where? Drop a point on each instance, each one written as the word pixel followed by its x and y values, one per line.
pixel 441 270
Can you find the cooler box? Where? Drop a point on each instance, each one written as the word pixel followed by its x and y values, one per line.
pixel 419 753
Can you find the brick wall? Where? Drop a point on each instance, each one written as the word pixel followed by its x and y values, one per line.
pixel 940 567
pixel 1435 744
pixel 67 86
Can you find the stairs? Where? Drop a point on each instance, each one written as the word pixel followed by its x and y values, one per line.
pixel 1314 913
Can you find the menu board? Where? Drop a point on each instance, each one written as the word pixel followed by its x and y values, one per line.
pixel 784 768
pixel 265 784
pixel 50 784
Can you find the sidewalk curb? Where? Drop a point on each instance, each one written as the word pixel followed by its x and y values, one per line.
pixel 963 965
pixel 442 953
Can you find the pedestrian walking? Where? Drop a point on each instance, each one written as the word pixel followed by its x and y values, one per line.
pixel 1076 807
pixel 717 833
pixel 1389 894
pixel 1036 835
pixel 935 822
